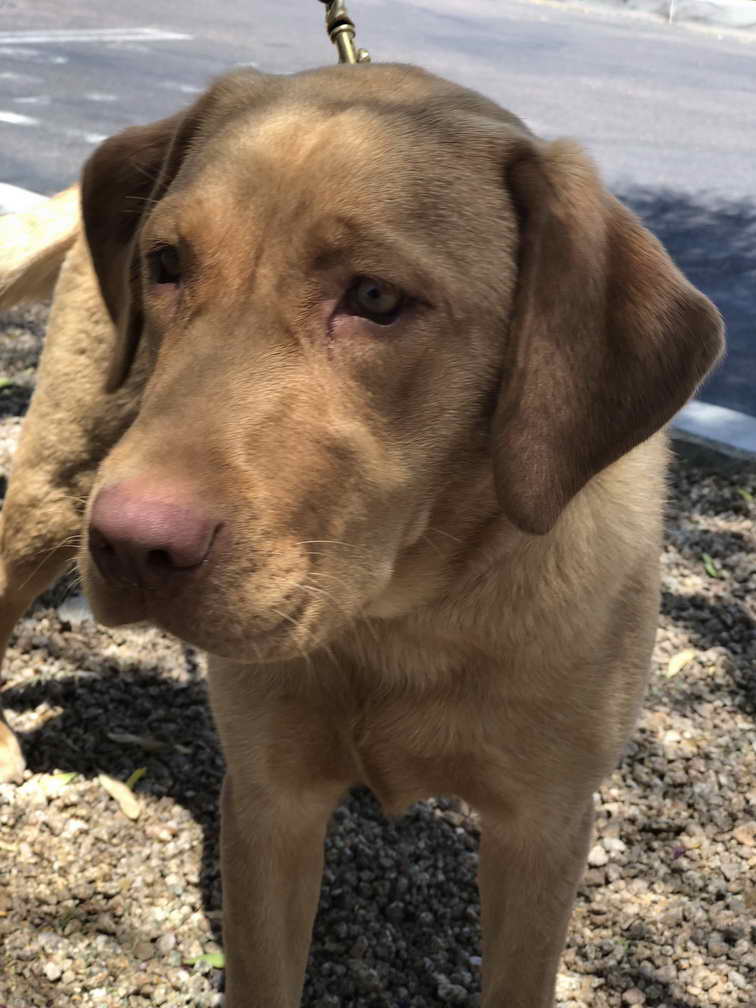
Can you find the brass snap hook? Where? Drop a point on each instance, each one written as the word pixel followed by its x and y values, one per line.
pixel 340 28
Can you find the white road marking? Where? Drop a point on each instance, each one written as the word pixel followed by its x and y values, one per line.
pixel 32 54
pixel 91 35
pixel 33 100
pixel 29 53
pixel 178 86
pixel 80 134
pixel 20 78
pixel 16 119
pixel 100 96
pixel 128 47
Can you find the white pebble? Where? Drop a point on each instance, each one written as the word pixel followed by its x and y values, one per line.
pixel 166 943
pixel 613 844
pixel 52 971
pixel 597 857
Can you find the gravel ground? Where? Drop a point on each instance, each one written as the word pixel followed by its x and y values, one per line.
pixel 98 908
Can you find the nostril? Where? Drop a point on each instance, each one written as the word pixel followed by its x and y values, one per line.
pixel 160 559
pixel 106 556
pixel 144 539
pixel 98 542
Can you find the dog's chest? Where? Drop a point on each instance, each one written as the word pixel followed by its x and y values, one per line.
pixel 415 745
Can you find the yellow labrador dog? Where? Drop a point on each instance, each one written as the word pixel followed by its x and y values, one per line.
pixel 356 384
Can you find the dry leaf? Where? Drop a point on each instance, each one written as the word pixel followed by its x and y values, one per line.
pixel 678 662
pixel 127 800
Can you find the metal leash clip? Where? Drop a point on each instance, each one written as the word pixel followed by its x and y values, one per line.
pixel 340 28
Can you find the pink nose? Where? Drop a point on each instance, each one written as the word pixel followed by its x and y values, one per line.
pixel 144 535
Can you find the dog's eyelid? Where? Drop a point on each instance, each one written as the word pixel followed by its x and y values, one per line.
pixel 154 244
pixel 347 264
pixel 157 235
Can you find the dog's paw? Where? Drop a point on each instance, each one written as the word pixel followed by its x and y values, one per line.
pixel 12 763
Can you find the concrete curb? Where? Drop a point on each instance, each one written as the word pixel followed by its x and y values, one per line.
pixel 715 430
pixel 735 15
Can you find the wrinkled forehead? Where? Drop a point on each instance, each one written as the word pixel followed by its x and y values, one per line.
pixel 350 158
pixel 302 159
pixel 330 177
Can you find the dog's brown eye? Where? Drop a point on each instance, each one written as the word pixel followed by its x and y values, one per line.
pixel 165 265
pixel 376 300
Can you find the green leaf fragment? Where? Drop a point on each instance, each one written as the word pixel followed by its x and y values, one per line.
pixel 215 959
pixel 710 567
pixel 135 777
pixel 65 778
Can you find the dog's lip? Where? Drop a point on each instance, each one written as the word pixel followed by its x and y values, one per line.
pixel 265 637
pixel 135 603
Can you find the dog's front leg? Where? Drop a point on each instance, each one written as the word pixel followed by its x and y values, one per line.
pixel 530 866
pixel 286 773
pixel 272 864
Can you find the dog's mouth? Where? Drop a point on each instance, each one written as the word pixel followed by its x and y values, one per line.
pixel 216 622
pixel 278 598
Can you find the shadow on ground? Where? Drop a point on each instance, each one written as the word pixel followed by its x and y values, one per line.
pixel 109 698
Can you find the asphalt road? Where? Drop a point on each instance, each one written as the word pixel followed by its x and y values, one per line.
pixel 668 112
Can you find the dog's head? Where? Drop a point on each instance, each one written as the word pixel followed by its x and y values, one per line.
pixel 358 289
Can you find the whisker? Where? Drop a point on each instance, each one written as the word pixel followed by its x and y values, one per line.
pixel 319 591
pixel 448 535
pixel 365 571
pixel 285 616
pixel 426 539
pixel 331 542
pixel 66 544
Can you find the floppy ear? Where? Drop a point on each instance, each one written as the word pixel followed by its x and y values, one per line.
pixel 608 338
pixel 125 176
